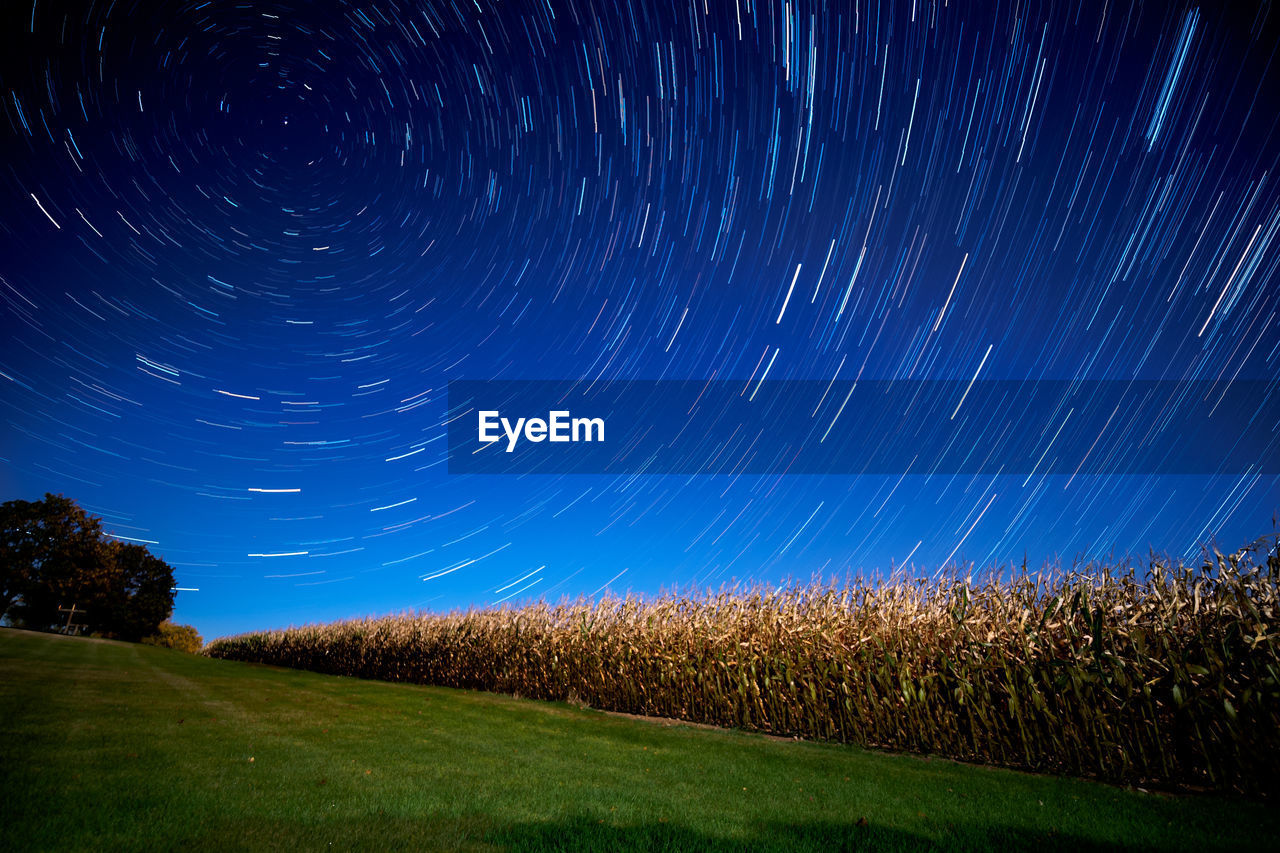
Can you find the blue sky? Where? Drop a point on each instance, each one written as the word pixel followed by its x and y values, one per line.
pixel 246 248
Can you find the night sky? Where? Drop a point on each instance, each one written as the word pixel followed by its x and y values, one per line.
pixel 244 247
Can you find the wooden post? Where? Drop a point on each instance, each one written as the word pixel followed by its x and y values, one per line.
pixel 71 612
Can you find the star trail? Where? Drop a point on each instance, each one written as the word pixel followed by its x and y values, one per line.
pixel 247 246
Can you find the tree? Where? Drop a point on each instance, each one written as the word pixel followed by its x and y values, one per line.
pixel 184 638
pixel 53 554
pixel 18 544
pixel 47 548
pixel 137 594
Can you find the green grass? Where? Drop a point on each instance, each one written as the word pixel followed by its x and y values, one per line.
pixel 111 746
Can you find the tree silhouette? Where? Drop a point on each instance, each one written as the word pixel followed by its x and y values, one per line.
pixel 53 554
pixel 138 594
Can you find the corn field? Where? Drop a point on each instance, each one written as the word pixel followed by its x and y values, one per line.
pixel 1170 676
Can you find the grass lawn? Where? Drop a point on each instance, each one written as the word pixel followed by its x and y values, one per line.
pixel 112 746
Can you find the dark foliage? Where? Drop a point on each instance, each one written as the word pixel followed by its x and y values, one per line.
pixel 55 555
